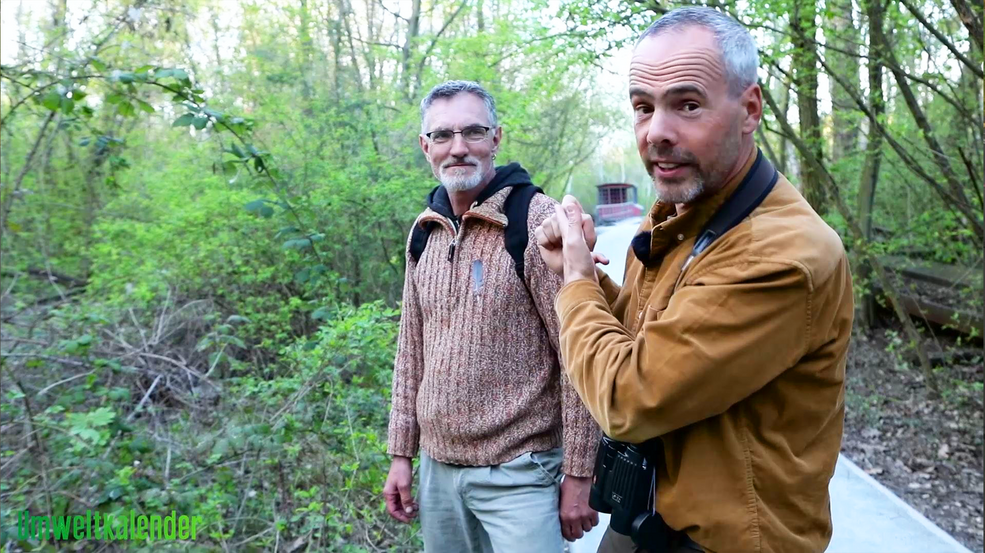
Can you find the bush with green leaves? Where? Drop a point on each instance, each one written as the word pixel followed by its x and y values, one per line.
pixel 294 455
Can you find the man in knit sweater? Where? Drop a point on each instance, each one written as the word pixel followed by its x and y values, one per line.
pixel 477 381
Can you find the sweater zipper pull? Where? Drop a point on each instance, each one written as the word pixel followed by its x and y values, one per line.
pixel 451 249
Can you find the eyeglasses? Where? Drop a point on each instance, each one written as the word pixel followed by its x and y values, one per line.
pixel 475 133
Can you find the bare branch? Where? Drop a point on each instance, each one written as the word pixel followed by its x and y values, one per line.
pixel 940 36
pixel 434 42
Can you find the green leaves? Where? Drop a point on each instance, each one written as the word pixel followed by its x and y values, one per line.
pixel 303 243
pixel 297 244
pixel 178 74
pixel 123 76
pixel 236 151
pixel 198 120
pixel 144 106
pixel 52 100
pixel 57 98
pixel 103 142
pixel 90 427
pixel 286 231
pixel 184 120
pixel 322 314
pixel 125 109
pixel 77 346
pixel 115 98
pixel 261 208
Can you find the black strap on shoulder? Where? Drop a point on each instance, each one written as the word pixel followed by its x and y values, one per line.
pixel 517 207
pixel 419 239
pixel 747 196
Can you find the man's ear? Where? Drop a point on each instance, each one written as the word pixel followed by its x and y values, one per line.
pixel 752 106
pixel 497 138
pixel 425 146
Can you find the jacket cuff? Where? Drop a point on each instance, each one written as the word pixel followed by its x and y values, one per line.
pixel 402 442
pixel 609 287
pixel 575 293
pixel 579 455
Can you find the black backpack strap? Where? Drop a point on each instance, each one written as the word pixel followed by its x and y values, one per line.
pixel 419 239
pixel 750 193
pixel 517 208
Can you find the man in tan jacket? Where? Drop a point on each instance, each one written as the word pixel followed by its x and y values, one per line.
pixel 733 360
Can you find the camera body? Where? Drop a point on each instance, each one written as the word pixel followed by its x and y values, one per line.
pixel 623 485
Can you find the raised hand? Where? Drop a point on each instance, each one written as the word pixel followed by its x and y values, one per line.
pixel 550 237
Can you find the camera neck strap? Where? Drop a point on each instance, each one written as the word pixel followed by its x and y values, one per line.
pixel 751 192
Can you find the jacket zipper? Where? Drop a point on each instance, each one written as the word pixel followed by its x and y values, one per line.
pixel 454 240
pixel 457 238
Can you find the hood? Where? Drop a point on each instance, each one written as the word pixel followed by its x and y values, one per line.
pixel 506 176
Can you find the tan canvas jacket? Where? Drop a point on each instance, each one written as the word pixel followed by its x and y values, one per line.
pixel 737 365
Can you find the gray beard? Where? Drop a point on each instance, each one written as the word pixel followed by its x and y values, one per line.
pixel 683 195
pixel 463 183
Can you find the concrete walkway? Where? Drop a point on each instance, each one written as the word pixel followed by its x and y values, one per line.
pixel 867 517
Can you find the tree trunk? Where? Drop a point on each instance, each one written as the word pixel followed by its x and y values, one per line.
pixel 971 16
pixel 873 157
pixel 307 55
pixel 8 200
pixel 805 82
pixel 413 29
pixel 336 27
pixel 371 37
pixel 844 36
pixel 784 143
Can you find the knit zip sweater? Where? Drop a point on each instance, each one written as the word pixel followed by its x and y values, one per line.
pixel 477 378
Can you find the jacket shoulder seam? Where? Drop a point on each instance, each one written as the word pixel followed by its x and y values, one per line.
pixel 788 263
pixel 748 260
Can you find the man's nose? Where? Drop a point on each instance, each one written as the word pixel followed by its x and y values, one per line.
pixel 459 148
pixel 662 130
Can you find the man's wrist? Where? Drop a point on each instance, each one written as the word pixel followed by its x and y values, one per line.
pixel 572 276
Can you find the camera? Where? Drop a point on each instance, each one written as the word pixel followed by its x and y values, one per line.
pixel 624 486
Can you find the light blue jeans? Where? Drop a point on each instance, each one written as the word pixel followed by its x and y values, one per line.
pixel 507 508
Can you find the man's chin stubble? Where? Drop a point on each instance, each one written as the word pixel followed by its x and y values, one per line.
pixel 679 193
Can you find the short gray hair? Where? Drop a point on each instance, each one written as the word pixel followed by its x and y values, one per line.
pixel 736 45
pixel 453 88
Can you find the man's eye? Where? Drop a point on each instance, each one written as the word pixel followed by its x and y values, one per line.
pixel 441 136
pixel 474 133
pixel 691 106
pixel 642 108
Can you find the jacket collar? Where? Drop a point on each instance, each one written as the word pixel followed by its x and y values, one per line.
pixel 663 229
pixel 489 204
pixel 490 210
